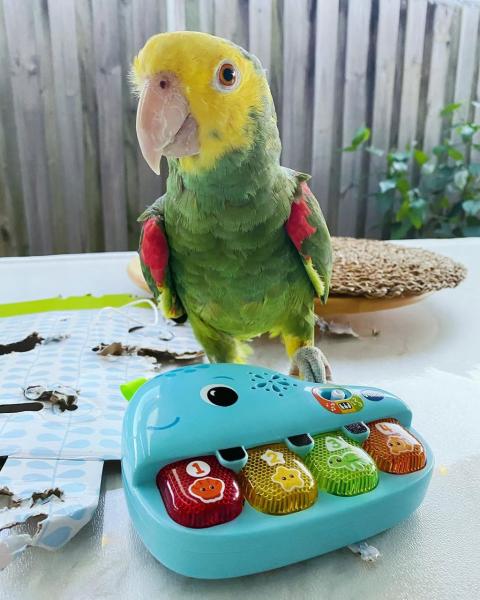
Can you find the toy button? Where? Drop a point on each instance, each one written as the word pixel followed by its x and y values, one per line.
pixel 199 492
pixel 358 432
pixel 232 458
pixel 275 481
pixel 300 444
pixel 337 400
pixel 340 466
pixel 394 449
pixel 372 395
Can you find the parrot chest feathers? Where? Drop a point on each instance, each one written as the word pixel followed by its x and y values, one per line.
pixel 236 268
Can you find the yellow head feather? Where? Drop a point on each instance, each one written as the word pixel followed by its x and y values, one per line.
pixel 222 116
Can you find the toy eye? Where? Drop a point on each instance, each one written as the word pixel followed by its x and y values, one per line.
pixel 219 395
pixel 227 77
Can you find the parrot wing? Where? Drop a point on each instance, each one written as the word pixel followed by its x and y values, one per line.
pixel 308 231
pixel 154 254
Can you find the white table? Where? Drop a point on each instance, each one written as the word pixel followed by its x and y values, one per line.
pixel 427 353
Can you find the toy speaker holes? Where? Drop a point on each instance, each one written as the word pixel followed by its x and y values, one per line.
pixel 219 395
pixel 269 383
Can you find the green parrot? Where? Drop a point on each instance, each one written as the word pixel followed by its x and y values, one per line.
pixel 238 243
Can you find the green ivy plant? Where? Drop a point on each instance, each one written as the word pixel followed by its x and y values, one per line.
pixel 429 195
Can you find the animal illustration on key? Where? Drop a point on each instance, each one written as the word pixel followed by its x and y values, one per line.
pixel 352 461
pixel 288 479
pixel 207 489
pixel 398 445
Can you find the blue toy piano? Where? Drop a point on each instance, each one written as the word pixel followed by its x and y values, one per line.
pixel 235 469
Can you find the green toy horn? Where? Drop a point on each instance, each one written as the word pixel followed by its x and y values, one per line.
pixel 128 389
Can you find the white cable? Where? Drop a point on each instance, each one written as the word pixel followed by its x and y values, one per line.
pixel 123 312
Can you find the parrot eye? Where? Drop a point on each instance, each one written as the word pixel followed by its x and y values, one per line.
pixel 219 395
pixel 227 77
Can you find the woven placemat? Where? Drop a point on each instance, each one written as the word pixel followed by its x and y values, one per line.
pixel 377 269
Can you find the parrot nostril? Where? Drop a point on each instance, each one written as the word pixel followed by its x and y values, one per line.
pixel 163 84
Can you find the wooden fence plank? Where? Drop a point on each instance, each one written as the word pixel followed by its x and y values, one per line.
pixel 231 20
pixel 276 63
pixel 260 31
pixel 324 108
pixel 45 68
pixel 13 235
pixel 297 86
pixel 175 15
pixel 192 15
pixel 387 34
pixel 86 63
pixel 475 108
pixel 7 234
pixel 339 94
pixel 412 71
pixel 441 41
pixel 206 19
pixel 354 110
pixel 129 29
pixel 28 114
pixel 467 58
pixel 68 115
pixel 139 20
pixel 474 112
pixel 8 241
pixel 149 18
pixel 108 78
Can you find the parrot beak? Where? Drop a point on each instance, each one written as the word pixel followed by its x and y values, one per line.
pixel 164 123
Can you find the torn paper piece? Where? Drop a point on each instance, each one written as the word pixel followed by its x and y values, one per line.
pixel 59 495
pixel 335 329
pixel 28 343
pixel 159 355
pixel 170 337
pixel 25 345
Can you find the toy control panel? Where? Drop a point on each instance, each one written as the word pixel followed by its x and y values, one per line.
pixel 235 469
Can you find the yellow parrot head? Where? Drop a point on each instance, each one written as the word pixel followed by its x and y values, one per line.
pixel 198 95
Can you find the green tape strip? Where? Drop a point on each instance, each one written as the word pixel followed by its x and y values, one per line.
pixel 70 303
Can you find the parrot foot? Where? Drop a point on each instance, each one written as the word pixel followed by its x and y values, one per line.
pixel 311 364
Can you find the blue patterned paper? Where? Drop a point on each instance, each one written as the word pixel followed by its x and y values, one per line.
pixel 53 449
pixel 93 431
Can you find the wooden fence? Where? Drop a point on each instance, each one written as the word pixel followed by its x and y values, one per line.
pixel 71 175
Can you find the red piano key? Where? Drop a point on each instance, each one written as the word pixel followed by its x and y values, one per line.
pixel 200 492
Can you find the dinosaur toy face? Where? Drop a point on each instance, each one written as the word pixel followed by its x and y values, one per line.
pixel 264 469
pixel 220 408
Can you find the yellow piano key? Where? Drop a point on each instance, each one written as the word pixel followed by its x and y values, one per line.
pixel 276 481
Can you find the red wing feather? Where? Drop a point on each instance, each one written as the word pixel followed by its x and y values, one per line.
pixel 154 250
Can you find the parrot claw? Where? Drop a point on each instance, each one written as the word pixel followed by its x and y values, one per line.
pixel 311 364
